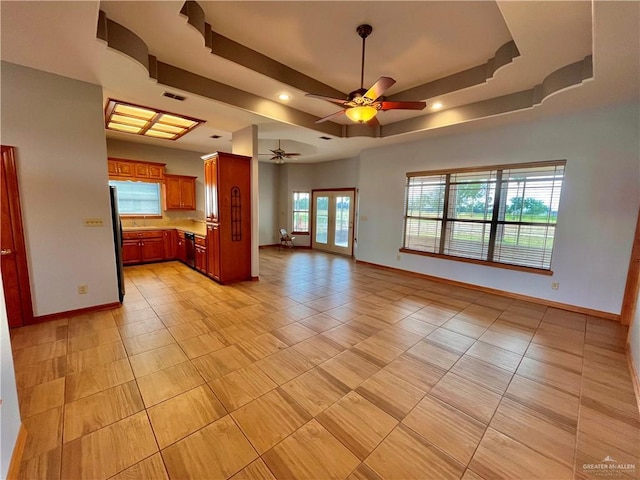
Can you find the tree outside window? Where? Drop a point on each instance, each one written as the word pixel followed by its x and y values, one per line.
pixel 301 201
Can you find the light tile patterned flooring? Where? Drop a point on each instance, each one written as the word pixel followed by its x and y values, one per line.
pixel 323 369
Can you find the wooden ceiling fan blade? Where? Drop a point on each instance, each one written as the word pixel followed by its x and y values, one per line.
pixel 292 154
pixel 402 105
pixel 328 99
pixel 378 88
pixel 330 117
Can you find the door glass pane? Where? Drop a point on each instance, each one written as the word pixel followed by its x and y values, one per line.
pixel 341 238
pixel 322 219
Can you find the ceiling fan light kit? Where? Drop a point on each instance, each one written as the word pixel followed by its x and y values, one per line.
pixel 361 114
pixel 362 105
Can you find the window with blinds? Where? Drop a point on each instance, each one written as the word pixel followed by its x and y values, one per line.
pixel 502 214
pixel 138 198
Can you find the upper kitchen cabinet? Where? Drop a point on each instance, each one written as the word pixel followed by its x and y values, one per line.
pixel 180 192
pixel 121 169
pixel 227 180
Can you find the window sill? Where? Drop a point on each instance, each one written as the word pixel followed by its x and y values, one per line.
pixel 519 268
pixel 300 233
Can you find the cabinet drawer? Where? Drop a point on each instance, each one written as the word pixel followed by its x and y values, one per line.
pixel 201 241
pixel 137 235
pixel 151 234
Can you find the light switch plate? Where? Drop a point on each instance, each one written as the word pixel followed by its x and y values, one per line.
pixel 93 222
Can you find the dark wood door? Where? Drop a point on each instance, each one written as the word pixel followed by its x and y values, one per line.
pixel 15 274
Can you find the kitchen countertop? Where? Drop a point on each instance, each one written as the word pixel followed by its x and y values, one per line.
pixel 197 228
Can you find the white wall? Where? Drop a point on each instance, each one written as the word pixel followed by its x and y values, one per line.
pixel 57 126
pixel 178 162
pixel 268 204
pixel 9 410
pixel 597 215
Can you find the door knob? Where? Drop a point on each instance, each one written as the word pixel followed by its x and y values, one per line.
pixel 6 251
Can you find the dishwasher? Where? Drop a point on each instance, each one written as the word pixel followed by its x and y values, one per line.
pixel 190 248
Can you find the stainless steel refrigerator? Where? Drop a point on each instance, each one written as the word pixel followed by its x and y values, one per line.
pixel 117 239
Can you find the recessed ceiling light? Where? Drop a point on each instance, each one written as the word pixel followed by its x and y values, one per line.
pixel 284 96
pixel 139 120
pixel 437 106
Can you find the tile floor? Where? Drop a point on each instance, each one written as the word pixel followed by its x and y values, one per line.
pixel 323 369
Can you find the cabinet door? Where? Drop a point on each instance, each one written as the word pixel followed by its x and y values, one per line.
pixel 169 237
pixel 188 193
pixel 125 169
pixel 113 168
pixel 131 252
pixel 152 249
pixel 172 193
pixel 142 170
pixel 211 190
pixel 213 251
pixel 201 259
pixel 156 172
pixel 181 248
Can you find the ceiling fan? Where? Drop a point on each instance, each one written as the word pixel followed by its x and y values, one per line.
pixel 362 105
pixel 279 155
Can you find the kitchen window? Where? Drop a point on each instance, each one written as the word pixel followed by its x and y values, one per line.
pixel 138 198
pixel 504 215
pixel 301 212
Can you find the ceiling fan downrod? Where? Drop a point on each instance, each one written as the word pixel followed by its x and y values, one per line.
pixel 364 31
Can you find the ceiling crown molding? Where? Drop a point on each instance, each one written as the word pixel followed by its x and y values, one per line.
pixel 125 41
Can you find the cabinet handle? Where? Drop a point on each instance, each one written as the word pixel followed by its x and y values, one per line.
pixel 6 251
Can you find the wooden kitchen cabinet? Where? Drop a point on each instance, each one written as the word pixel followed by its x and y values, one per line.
pixel 170 237
pixel 152 249
pixel 131 252
pixel 123 169
pixel 201 254
pixel 142 247
pixel 213 251
pixel 153 171
pixel 180 192
pixel 228 214
pixel 181 247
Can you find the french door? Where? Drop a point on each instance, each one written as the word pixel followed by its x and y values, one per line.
pixel 333 212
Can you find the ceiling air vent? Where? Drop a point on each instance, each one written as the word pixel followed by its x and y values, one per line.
pixel 180 98
pixel 216 136
pixel 325 138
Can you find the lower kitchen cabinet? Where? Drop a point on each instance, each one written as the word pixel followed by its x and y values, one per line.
pixel 181 247
pixel 143 247
pixel 213 251
pixel 201 254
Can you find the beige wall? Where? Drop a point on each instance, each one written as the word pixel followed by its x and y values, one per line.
pixel 57 127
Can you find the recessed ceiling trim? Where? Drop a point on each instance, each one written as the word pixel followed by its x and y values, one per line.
pixel 127 42
pixel 566 77
pixel 171 76
pixel 231 50
pixel 245 56
pixel 464 79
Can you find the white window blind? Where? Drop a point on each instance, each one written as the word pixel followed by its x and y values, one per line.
pixel 503 214
pixel 138 198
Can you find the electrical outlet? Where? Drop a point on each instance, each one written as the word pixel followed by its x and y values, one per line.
pixel 93 222
pixel 82 289
pixel 555 285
